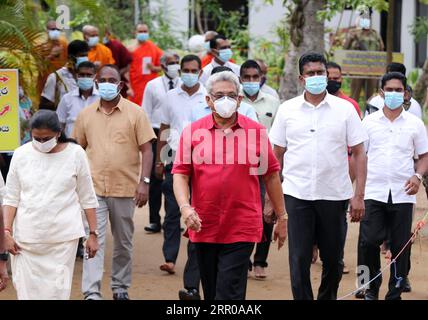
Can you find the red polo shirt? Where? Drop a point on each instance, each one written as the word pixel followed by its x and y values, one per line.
pixel 225 184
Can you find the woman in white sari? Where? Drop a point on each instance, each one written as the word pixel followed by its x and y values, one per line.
pixel 48 184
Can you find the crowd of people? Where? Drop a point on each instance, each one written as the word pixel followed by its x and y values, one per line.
pixel 119 129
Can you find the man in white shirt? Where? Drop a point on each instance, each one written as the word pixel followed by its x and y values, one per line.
pixel 154 96
pixel 63 80
pixel 266 107
pixel 222 52
pixel 410 104
pixel 73 102
pixel 311 134
pixel 176 115
pixel 395 136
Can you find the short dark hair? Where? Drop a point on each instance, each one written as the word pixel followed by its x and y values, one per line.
pixel 77 46
pixel 393 75
pixel 191 57
pixel 213 41
pixel 87 64
pixel 396 67
pixel 220 69
pixel 111 66
pixel 311 57
pixel 250 64
pixel 333 65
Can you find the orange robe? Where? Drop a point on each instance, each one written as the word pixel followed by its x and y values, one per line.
pixel 146 51
pixel 55 52
pixel 101 54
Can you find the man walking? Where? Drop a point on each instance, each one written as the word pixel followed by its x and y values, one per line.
pixel 395 136
pixel 311 134
pixel 154 97
pixel 114 131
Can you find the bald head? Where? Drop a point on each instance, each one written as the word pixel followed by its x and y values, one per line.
pixel 263 66
pixel 142 28
pixel 209 35
pixel 51 25
pixel 90 31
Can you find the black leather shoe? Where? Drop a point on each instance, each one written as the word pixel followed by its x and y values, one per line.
pixel 406 286
pixel 121 296
pixel 191 294
pixel 153 228
pixel 371 295
pixel 360 294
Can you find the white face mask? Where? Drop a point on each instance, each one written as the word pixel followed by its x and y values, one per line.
pixel 173 70
pixel 225 107
pixel 47 146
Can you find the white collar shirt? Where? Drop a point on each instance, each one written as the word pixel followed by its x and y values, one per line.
pixel 390 150
pixel 206 72
pixel 154 95
pixel 70 106
pixel 316 139
pixel 178 109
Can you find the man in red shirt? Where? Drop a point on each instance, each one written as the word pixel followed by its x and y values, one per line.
pixel 334 73
pixel 222 155
pixel 145 65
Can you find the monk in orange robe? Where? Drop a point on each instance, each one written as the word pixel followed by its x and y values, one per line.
pixel 98 53
pixel 145 65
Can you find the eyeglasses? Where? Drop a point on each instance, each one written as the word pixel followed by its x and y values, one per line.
pixel 218 96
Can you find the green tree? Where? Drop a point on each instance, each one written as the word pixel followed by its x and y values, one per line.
pixel 306 29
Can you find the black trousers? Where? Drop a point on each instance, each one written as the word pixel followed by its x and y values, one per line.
pixel 191 276
pixel 171 224
pixel 262 248
pixel 322 222
pixel 383 219
pixel 155 189
pixel 223 269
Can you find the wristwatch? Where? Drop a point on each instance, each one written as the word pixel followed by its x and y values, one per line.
pixel 146 180
pixel 95 233
pixel 4 256
pixel 419 176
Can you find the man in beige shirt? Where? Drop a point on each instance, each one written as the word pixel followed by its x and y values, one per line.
pixel 113 131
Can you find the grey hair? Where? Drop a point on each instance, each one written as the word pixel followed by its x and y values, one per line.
pixel 168 54
pixel 228 76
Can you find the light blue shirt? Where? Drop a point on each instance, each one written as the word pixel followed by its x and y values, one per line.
pixel 198 112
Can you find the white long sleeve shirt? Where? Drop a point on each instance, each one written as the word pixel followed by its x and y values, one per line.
pixel 49 190
pixel 1 189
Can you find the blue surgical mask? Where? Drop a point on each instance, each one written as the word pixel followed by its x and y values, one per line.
pixel 142 36
pixel 85 83
pixel 190 79
pixel 108 91
pixel 394 100
pixel 251 88
pixel 364 23
pixel 93 41
pixel 54 34
pixel 79 60
pixel 106 40
pixel 207 46
pixel 225 55
pixel 316 84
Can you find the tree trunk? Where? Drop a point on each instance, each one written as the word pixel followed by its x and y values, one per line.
pixel 420 89
pixel 390 32
pixel 306 34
